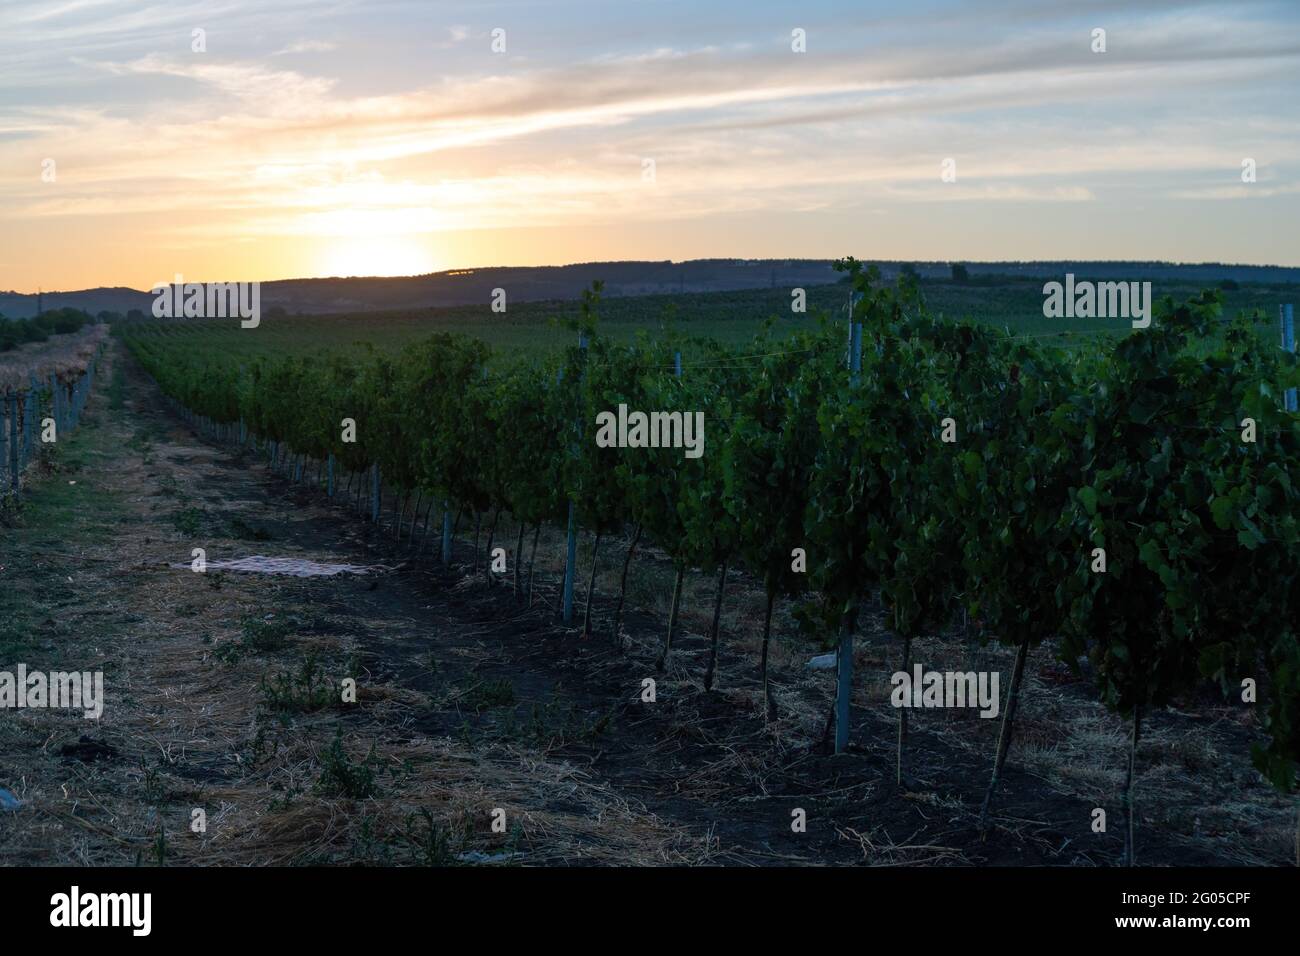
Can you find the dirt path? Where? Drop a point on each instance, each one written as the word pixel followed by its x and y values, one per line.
pixel 225 695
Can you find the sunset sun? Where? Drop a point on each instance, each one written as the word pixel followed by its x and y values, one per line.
pixel 376 256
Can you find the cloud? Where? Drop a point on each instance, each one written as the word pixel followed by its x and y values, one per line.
pixel 306 46
pixel 270 92
pixel 390 139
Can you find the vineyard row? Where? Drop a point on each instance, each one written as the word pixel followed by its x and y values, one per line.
pixel 1135 501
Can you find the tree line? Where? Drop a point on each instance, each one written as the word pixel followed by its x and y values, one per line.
pixel 16 332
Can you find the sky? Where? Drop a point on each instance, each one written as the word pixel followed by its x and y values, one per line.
pixel 292 138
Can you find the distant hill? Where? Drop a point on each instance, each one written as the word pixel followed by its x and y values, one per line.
pixel 14 305
pixel 539 283
pixel 474 286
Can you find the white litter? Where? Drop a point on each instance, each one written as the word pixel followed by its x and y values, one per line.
pixel 477 856
pixel 824 662
pixel 292 567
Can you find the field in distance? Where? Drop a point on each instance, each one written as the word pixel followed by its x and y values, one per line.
pixel 731 317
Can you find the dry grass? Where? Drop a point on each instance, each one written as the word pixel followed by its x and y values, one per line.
pixel 62 355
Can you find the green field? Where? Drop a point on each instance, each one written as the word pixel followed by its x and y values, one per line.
pixel 732 317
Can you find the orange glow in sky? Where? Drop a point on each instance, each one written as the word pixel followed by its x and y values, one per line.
pixel 280 145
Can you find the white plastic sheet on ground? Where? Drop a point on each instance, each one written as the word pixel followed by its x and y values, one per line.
pixel 292 567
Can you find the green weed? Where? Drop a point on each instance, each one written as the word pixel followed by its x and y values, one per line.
pixel 342 776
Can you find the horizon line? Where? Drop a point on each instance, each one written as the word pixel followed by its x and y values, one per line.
pixel 468 270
